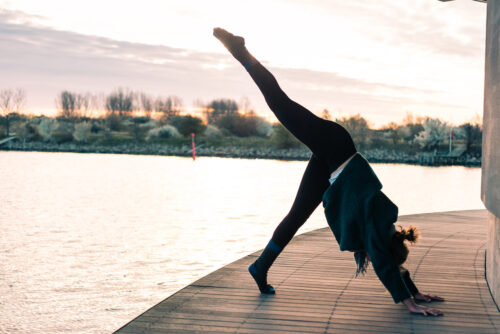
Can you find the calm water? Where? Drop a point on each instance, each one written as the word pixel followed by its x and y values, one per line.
pixel 90 241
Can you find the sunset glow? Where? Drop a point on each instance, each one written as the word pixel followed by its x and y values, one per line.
pixel 380 58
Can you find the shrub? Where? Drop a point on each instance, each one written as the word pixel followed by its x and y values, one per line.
pixel 212 131
pixel 435 133
pixel 27 131
pixel 149 125
pixel 237 124
pixel 358 128
pixel 472 136
pixel 244 125
pixel 188 124
pixel 46 127
pixel 282 138
pixel 140 119
pixel 114 121
pixel 264 128
pixel 97 127
pixel 137 126
pixel 82 132
pixel 164 132
pixel 62 136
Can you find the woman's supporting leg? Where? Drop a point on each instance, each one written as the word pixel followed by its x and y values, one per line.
pixel 327 140
pixel 311 189
pixel 309 195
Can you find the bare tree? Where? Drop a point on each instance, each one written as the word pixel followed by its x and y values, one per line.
pixel 218 108
pixel 97 102
pixel 11 102
pixel 245 104
pixel 146 103
pixel 168 107
pixel 68 104
pixel 19 100
pixel 120 102
pixel 84 104
pixel 201 109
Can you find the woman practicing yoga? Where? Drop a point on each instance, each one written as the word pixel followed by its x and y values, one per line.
pixel 361 217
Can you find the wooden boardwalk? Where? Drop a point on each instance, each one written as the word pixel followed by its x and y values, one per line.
pixel 316 291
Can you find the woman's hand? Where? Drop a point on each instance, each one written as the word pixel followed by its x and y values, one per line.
pixel 427 297
pixel 420 309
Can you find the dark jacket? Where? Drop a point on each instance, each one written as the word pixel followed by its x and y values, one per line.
pixel 362 218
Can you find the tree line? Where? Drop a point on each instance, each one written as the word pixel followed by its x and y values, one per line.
pixel 125 115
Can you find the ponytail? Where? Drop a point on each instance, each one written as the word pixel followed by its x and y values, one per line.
pixel 398 247
pixel 412 234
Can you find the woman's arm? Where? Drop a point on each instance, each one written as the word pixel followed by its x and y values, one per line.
pixel 417 295
pixel 405 274
pixel 411 304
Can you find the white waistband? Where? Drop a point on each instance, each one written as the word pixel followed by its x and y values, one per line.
pixel 335 175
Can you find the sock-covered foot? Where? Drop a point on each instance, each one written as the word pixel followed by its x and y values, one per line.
pixel 235 44
pixel 261 280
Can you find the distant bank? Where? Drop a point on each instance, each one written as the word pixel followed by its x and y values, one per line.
pixel 301 154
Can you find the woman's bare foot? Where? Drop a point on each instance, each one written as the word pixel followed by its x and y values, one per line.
pixel 235 44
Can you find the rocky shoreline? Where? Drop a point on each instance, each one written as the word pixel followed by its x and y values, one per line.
pixel 301 154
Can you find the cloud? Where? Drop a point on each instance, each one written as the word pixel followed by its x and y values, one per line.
pixel 45 61
pixel 453 28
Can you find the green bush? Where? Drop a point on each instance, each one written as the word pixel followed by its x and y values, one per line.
pixel 164 132
pixel 188 124
pixel 358 128
pixel 114 121
pixel 46 126
pixel 62 136
pixel 140 119
pixel 282 138
pixel 238 124
pixel 82 132
pixel 212 131
pixel 97 126
pixel 138 126
pixel 28 132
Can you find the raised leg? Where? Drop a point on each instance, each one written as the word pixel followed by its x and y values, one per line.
pixel 327 140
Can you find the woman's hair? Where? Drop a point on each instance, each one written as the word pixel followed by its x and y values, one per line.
pixel 398 247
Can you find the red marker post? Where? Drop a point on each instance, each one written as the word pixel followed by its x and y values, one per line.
pixel 193 146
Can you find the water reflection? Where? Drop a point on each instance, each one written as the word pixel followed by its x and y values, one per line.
pixel 89 241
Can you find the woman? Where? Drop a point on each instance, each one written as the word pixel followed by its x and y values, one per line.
pixel 360 215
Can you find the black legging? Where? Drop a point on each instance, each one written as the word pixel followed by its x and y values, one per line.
pixel 329 142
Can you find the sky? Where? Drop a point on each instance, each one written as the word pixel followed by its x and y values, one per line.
pixel 379 58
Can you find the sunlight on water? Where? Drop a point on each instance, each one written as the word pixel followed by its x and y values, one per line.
pixel 90 241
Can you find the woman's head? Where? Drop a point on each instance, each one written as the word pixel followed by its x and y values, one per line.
pixel 398 247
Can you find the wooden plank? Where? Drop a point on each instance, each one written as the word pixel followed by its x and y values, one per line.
pixel 316 292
